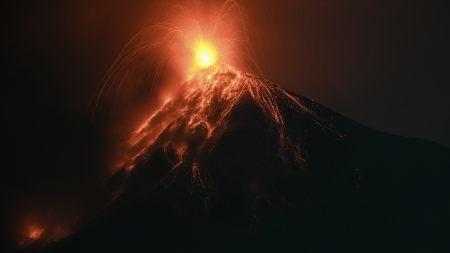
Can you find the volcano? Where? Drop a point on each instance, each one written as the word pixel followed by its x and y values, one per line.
pixel 234 163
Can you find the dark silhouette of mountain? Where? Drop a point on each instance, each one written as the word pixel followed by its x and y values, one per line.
pixel 233 163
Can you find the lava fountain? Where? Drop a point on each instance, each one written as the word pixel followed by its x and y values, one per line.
pixel 206 51
pixel 192 38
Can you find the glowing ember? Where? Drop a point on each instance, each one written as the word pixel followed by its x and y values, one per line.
pixel 205 54
pixel 36 233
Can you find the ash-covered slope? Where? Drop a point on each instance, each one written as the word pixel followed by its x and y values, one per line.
pixel 235 163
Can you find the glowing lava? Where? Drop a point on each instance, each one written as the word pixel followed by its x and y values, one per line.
pixel 199 113
pixel 205 54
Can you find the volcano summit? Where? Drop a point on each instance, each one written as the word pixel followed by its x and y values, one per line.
pixel 234 163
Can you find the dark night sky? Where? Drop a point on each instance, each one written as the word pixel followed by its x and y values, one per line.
pixel 381 63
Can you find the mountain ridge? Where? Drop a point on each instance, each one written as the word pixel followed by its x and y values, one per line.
pixel 235 176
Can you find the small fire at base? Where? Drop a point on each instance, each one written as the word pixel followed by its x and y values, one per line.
pixel 36 233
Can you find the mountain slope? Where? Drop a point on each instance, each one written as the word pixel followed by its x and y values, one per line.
pixel 234 163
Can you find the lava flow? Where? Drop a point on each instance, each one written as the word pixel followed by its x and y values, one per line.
pixel 189 125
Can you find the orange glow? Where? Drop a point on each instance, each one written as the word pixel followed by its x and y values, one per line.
pixel 187 39
pixel 205 54
pixel 36 233
pixel 44 220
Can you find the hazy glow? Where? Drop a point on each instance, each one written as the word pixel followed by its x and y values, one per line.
pixel 36 233
pixel 205 54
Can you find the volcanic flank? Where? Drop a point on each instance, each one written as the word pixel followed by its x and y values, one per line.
pixel 233 163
